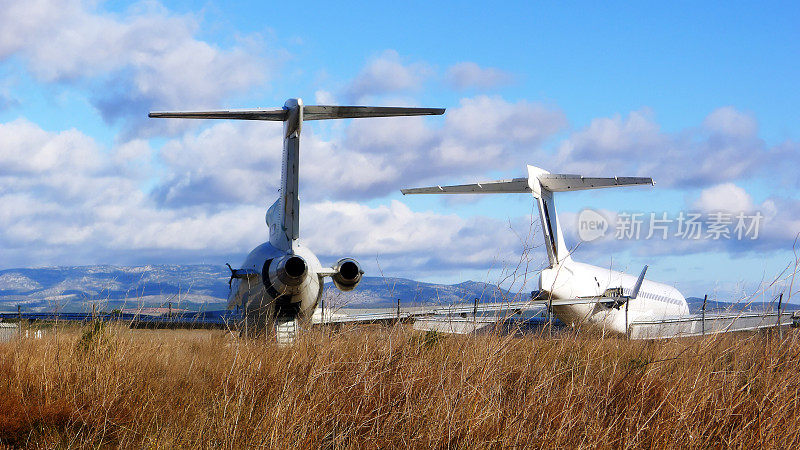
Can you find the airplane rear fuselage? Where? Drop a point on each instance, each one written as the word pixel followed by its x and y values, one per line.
pixel 269 299
pixel 570 280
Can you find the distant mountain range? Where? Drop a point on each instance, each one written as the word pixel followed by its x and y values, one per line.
pixel 199 287
pixel 205 287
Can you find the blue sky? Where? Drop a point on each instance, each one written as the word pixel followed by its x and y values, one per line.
pixel 702 97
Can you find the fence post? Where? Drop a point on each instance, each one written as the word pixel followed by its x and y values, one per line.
pixel 398 310
pixel 705 299
pixel 627 329
pixel 780 329
pixel 475 314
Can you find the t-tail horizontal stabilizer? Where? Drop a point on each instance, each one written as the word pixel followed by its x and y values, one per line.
pixel 541 184
pixel 310 112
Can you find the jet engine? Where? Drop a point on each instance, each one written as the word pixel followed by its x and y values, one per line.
pixel 348 274
pixel 284 275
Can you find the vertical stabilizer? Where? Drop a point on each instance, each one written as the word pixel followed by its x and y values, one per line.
pixel 557 250
pixel 283 217
pixel 288 222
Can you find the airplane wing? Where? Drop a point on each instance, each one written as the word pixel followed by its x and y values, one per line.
pixel 666 328
pixel 185 319
pixel 446 311
pixel 516 185
pixel 699 324
pixel 425 311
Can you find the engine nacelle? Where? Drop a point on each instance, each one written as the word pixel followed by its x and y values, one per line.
pixel 348 274
pixel 284 275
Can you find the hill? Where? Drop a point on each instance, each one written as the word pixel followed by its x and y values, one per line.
pixel 195 287
pixel 205 287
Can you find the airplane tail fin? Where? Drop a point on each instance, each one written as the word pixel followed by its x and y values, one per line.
pixel 285 222
pixel 541 184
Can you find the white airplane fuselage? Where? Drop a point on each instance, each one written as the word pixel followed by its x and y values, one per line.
pixel 253 294
pixel 571 280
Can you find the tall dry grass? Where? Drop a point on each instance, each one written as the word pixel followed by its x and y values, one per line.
pixel 389 387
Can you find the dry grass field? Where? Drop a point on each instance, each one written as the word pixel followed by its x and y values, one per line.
pixel 392 388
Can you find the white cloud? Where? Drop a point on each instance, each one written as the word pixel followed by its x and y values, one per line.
pixel 396 235
pixel 748 227
pixel 487 120
pixel 227 163
pixel 64 198
pixel 731 122
pixel 386 74
pixel 147 57
pixel 81 203
pixel 778 225
pixel 724 197
pixel 240 162
pixel 480 135
pixel 469 75
pixel 26 149
pixel 323 97
pixel 726 148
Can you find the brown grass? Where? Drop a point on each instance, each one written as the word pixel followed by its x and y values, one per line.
pixel 389 387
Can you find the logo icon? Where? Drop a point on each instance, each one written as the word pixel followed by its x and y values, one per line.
pixel 591 225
